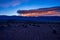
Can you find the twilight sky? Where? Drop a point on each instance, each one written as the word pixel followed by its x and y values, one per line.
pixel 10 7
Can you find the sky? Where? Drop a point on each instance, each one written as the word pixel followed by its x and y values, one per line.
pixel 10 7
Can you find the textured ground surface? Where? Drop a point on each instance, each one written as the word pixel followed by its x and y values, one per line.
pixel 44 32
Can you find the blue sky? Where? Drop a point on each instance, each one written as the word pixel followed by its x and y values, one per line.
pixel 10 7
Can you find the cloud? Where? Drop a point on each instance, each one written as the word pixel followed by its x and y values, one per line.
pixel 7 3
pixel 48 13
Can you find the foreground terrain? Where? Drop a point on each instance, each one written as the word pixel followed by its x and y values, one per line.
pixel 29 31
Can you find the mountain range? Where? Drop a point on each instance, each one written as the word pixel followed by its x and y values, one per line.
pixel 33 19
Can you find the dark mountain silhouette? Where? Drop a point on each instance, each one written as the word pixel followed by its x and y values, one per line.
pixel 34 19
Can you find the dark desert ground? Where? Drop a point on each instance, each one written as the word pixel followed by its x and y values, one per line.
pixel 42 28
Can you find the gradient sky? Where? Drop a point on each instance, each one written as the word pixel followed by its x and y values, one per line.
pixel 10 7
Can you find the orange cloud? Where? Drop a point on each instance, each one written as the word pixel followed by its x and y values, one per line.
pixel 49 13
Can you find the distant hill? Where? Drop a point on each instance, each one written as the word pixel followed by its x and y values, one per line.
pixel 34 19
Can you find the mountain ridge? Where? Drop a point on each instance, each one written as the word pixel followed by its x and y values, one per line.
pixel 34 19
